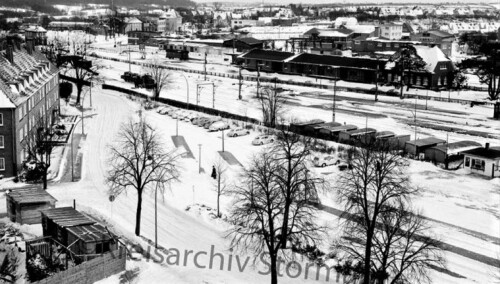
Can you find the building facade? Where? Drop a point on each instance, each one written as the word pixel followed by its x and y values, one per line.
pixel 29 92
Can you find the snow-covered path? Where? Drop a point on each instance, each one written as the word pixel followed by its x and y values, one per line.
pixel 177 228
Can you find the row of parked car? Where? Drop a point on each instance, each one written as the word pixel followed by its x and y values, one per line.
pixel 215 123
pixel 212 123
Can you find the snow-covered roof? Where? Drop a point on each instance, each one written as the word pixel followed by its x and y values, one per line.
pixel 35 29
pixel 431 55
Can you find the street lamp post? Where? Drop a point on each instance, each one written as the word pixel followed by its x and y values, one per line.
pixel 187 90
pixel 72 134
pixel 222 140
pixel 199 158
pixel 334 99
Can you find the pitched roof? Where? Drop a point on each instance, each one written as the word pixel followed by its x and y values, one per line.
pixel 489 153
pixel 339 61
pixel 431 55
pixel 14 74
pixel 270 55
pixel 250 40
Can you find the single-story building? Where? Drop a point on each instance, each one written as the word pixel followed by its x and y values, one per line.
pixel 80 233
pixel 416 148
pixel 25 204
pixel 333 132
pixel 264 60
pixel 316 128
pixel 243 44
pixel 306 126
pixel 364 135
pixel 443 153
pixel 484 161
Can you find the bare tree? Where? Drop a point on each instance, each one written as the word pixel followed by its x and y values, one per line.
pixel 221 187
pixel 407 62
pixel 39 146
pixel 294 178
pixel 72 58
pixel 402 248
pixel 272 105
pixel 377 180
pixel 159 74
pixel 258 213
pixel 138 160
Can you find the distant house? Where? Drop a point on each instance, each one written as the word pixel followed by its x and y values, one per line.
pixel 36 34
pixel 364 135
pixel 131 24
pixel 438 38
pixel 484 161
pixel 265 60
pixel 244 44
pixel 417 147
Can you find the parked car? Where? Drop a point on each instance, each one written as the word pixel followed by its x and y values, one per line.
pixel 218 125
pixel 235 132
pixel 197 119
pixel 344 166
pixel 325 161
pixel 190 117
pixel 178 114
pixel 202 121
pixel 164 110
pixel 264 139
pixel 209 122
pixel 171 111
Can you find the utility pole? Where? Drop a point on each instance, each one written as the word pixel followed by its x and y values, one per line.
pixel 258 80
pixel 205 66
pixel 129 68
pixel 199 158
pixel 334 99
pixel 222 142
pixel 240 82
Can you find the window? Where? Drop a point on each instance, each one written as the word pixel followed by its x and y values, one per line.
pixel 478 164
pixel 2 164
pixel 2 141
pixel 101 248
pixel 1 119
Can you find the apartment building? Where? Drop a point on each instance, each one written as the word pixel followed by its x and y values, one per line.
pixel 29 92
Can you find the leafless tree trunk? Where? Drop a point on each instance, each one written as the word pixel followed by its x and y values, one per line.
pixel 221 187
pixel 403 249
pixel 378 180
pixel 39 146
pixel 295 181
pixel 272 105
pixel 159 74
pixel 138 160
pixel 258 213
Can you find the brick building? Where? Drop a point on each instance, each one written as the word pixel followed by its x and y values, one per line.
pixel 29 92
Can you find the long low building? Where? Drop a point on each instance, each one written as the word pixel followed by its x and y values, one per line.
pixel 437 74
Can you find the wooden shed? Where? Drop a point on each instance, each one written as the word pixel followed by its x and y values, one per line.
pixel 418 147
pixel 306 126
pixel 333 132
pixel 362 134
pixel 450 151
pixel 25 204
pixel 81 234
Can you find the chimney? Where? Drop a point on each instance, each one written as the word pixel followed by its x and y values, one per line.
pixel 29 46
pixel 487 146
pixel 9 54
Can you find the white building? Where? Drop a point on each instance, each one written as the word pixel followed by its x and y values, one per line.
pixel 169 21
pixel 391 31
pixel 132 24
pixel 484 161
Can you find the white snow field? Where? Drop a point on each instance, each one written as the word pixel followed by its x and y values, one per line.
pixel 465 209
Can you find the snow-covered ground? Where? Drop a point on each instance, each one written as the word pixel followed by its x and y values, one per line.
pixel 453 199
